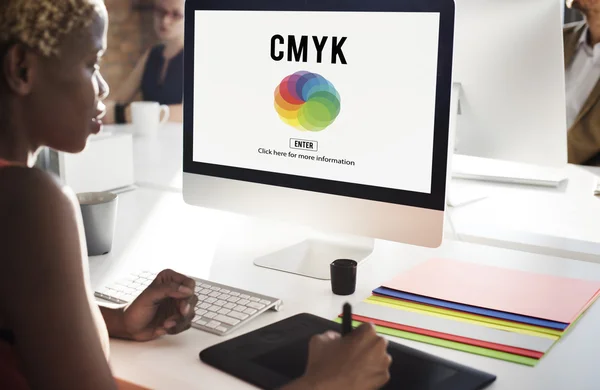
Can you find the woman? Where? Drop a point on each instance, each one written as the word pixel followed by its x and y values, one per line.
pixel 158 75
pixel 52 333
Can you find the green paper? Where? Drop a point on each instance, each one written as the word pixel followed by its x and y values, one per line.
pixel 509 357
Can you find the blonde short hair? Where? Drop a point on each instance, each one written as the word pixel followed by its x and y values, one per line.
pixel 42 24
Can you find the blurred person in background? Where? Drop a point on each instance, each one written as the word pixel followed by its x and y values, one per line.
pixel 158 75
pixel 582 74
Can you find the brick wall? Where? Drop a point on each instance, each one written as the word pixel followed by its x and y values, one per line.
pixel 130 33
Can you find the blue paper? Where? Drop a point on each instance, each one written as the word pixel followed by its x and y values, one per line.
pixel 470 309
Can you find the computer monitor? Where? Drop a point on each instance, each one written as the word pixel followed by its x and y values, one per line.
pixel 509 62
pixel 327 114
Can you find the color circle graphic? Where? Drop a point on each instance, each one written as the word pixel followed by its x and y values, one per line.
pixel 307 101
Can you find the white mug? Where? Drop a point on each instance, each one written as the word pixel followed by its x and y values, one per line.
pixel 148 117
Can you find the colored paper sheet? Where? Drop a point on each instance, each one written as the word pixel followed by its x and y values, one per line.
pixel 449 337
pixel 509 357
pixel 497 339
pixel 470 309
pixel 495 323
pixel 590 303
pixel 528 294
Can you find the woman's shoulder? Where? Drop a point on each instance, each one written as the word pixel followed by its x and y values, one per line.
pixel 30 188
pixel 38 218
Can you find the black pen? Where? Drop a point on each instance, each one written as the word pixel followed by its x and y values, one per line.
pixel 346 319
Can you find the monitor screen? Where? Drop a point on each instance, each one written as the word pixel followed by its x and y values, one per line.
pixel 347 97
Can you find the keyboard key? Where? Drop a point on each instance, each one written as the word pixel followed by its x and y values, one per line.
pixel 224 291
pixel 224 296
pixel 202 297
pixel 254 299
pixel 243 302
pixel 238 315
pixel 244 296
pixel 235 294
pixel 205 305
pixel 104 291
pixel 266 303
pixel 214 308
pixel 214 294
pixel 210 315
pixel 197 289
pixel 206 285
pixel 220 303
pixel 206 291
pixel 227 320
pixel 201 312
pixel 250 311
pixel 213 324
pixel 201 322
pixel 233 299
pixel 255 305
pixel 224 311
pixel 229 306
pixel 240 308
pixel 215 288
pixel 221 329
pixel 210 300
pixel 197 317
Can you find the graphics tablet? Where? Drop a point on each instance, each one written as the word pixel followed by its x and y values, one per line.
pixel 277 354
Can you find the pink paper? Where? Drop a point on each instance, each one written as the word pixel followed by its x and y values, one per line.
pixel 541 296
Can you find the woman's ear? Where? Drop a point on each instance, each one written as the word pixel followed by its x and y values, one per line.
pixel 18 69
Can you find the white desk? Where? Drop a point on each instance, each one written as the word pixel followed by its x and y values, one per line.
pixel 156 229
pixel 559 222
pixel 157 160
pixel 562 221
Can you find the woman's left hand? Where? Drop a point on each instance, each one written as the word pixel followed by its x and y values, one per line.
pixel 167 306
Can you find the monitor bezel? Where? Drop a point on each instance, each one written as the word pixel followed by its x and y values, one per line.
pixel 436 200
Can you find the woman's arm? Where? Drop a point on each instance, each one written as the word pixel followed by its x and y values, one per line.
pixel 127 90
pixel 176 113
pixel 115 323
pixel 42 282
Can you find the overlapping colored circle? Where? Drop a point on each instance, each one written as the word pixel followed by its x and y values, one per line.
pixel 307 101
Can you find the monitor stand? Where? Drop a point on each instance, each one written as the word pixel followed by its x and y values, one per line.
pixel 488 169
pixel 508 172
pixel 456 195
pixel 312 256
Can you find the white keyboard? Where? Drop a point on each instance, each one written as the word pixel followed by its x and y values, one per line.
pixel 220 310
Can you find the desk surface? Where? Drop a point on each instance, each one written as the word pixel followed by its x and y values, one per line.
pixel 158 159
pixel 554 221
pixel 562 221
pixel 156 230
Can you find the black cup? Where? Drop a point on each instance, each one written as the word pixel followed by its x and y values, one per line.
pixel 343 276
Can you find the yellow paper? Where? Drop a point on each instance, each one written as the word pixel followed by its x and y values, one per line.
pixel 495 323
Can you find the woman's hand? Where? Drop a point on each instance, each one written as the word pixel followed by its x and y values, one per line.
pixel 167 306
pixel 358 361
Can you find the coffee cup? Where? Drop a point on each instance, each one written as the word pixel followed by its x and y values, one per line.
pixel 99 214
pixel 148 117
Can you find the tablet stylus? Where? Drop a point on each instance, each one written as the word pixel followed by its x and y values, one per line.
pixel 346 319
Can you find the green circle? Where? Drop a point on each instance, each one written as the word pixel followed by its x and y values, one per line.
pixel 314 116
pixel 329 100
pixel 319 111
